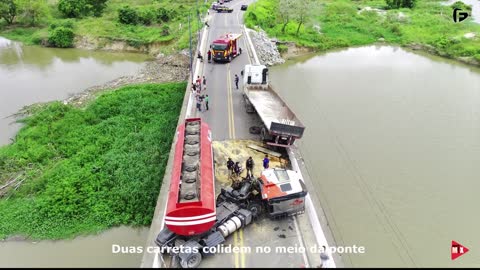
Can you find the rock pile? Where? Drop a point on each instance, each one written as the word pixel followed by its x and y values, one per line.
pixel 266 48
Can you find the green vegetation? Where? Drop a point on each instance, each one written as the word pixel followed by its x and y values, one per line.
pixel 135 22
pixel 61 34
pixel 340 23
pixel 400 3
pixel 80 8
pixel 82 170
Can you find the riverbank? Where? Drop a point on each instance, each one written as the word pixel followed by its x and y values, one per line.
pixel 128 26
pixel 341 24
pixel 81 169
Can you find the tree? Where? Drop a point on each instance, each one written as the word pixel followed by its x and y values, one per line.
pixel 33 10
pixel 303 9
pixel 80 8
pixel 127 15
pixel 8 10
pixel 97 7
pixel 392 4
pixel 285 12
pixel 61 37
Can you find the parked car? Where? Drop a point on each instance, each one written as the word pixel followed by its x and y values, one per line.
pixel 224 9
pixel 243 7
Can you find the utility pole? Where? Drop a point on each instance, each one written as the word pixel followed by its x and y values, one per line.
pixel 199 26
pixel 190 36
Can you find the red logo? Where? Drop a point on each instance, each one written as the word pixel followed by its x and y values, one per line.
pixel 457 250
pixel 297 202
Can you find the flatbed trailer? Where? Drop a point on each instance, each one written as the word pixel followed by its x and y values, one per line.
pixel 281 125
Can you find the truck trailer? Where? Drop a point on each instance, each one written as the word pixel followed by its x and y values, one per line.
pixel 280 127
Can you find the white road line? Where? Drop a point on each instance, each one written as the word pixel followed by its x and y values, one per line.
pixel 300 240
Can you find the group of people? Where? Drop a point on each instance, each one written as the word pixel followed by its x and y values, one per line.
pixel 197 89
pixel 235 169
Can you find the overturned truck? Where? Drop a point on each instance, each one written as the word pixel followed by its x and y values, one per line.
pixel 196 221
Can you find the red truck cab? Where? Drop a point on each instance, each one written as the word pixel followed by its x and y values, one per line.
pixel 225 48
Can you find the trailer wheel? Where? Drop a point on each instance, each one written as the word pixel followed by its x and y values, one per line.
pixel 193 260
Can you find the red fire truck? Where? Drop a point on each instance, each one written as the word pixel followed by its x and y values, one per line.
pixel 225 48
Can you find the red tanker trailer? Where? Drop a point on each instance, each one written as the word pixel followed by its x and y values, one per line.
pixel 191 202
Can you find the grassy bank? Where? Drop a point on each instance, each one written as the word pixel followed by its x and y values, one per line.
pixel 335 24
pixel 172 33
pixel 82 170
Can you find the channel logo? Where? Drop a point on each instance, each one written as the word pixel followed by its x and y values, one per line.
pixel 459 15
pixel 457 250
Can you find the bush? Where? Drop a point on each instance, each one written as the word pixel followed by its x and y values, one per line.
pixel 80 8
pixel 146 16
pixel 282 48
pixel 165 30
pixel 461 5
pixel 127 15
pixel 392 4
pixel 164 15
pixel 73 8
pixel 61 37
pixel 61 23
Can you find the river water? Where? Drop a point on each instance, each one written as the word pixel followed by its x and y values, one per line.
pixel 30 74
pixel 33 74
pixel 392 144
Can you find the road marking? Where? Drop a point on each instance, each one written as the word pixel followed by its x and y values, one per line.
pixel 235 244
pixel 242 255
pixel 300 240
pixel 230 103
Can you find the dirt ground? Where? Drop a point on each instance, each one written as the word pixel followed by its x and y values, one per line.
pixel 239 151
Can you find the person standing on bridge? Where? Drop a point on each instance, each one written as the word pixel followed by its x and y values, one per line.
pixel 266 162
pixel 249 166
pixel 236 81
pixel 206 102
pixel 199 103
pixel 199 83
pixel 230 165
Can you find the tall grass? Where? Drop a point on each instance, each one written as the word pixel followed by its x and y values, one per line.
pixel 87 169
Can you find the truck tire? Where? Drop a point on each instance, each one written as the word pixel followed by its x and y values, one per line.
pixel 256 209
pixel 193 260
pixel 229 58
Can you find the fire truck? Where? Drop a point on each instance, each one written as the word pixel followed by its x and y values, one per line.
pixel 225 48
pixel 196 221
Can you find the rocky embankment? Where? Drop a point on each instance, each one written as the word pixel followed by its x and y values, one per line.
pixel 266 48
pixel 171 68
